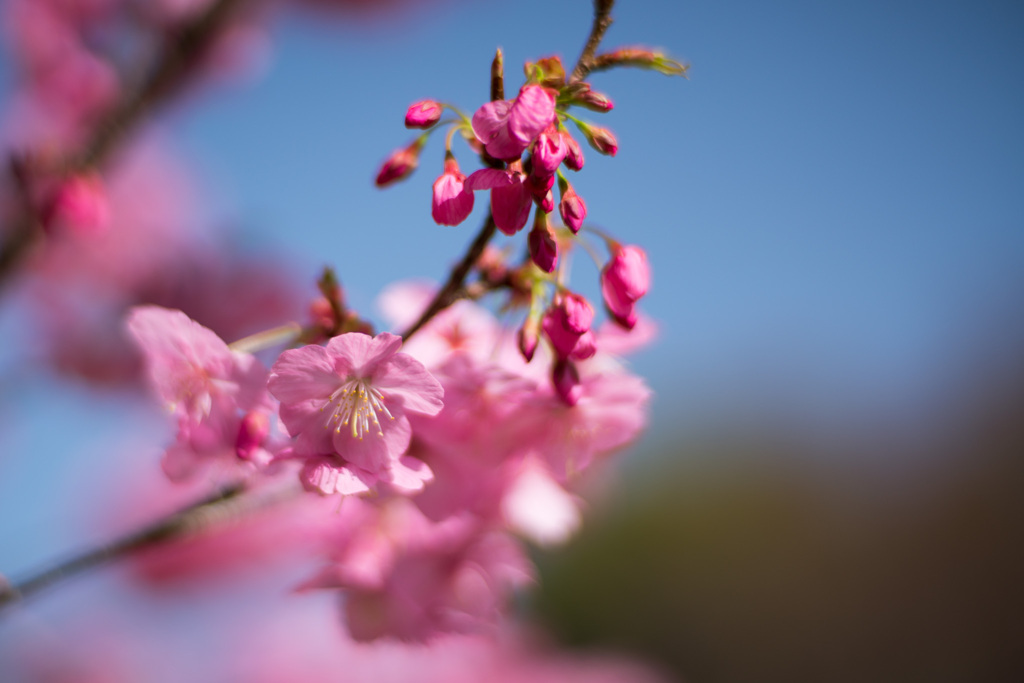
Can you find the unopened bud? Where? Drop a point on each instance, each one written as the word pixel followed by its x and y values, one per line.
pixel 573 152
pixel 528 338
pixel 80 204
pixel 566 381
pixel 543 246
pixel 548 72
pixel 423 114
pixel 601 139
pixel 581 95
pixel 400 164
pixel 572 208
pixel 252 432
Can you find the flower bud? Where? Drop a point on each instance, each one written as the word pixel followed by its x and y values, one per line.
pixel 566 381
pixel 624 279
pixel 572 207
pixel 543 247
pixel 548 152
pixel 573 152
pixel 423 114
pixel 80 204
pixel 581 95
pixel 400 164
pixel 528 338
pixel 252 432
pixel 548 72
pixel 452 201
pixel 601 139
pixel 566 323
pixel 540 186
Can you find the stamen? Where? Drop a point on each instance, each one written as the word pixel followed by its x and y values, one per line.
pixel 356 407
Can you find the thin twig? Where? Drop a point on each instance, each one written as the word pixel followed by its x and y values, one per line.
pixel 195 516
pixel 602 20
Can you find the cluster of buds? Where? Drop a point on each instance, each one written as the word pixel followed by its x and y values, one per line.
pixel 524 144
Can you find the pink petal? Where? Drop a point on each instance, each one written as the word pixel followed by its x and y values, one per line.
pixel 510 206
pixel 410 474
pixel 357 354
pixel 531 113
pixel 489 178
pixel 490 119
pixel 375 453
pixel 303 373
pixel 404 378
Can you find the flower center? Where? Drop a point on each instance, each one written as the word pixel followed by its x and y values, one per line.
pixel 356 405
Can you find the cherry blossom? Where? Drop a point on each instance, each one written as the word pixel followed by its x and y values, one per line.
pixel 346 404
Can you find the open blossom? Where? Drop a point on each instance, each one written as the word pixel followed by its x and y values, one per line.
pixel 218 395
pixel 190 367
pixel 452 201
pixel 346 406
pixel 506 128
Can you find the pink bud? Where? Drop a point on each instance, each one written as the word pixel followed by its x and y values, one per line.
pixel 580 94
pixel 539 185
pixel 423 114
pixel 547 203
pixel 572 208
pixel 528 338
pixel 586 347
pixel 400 164
pixel 548 152
pixel 543 247
pixel 624 279
pixel 452 200
pixel 252 432
pixel 81 204
pixel 566 381
pixel 573 152
pixel 601 139
pixel 566 322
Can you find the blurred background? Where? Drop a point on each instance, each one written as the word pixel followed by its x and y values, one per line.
pixel 833 205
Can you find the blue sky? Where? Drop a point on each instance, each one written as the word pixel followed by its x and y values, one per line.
pixel 832 202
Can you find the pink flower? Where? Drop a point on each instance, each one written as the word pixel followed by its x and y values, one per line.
pixel 510 197
pixel 218 395
pixel 507 128
pixel 452 201
pixel 189 367
pixel 607 411
pixel 624 279
pixel 346 406
pixel 423 114
pixel 572 208
pixel 409 578
pixel 400 164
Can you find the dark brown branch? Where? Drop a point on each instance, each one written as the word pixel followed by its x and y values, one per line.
pixel 196 516
pixel 602 20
